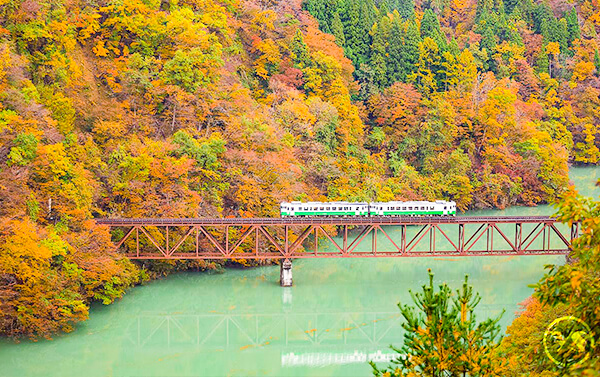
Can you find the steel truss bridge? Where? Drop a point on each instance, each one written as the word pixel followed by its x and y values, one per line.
pixel 289 238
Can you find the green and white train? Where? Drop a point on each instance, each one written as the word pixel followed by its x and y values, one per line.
pixel 347 209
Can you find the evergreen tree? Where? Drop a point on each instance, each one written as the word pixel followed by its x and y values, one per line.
pixel 337 29
pixel 406 8
pixel 597 62
pixel 378 52
pixel 542 62
pixel 428 67
pixel 430 27
pixel 453 47
pixel 354 43
pixel 384 9
pixel 485 7
pixel 553 30
pixel 366 22
pixel 366 79
pixel 512 34
pixel 299 51
pixel 395 53
pixel 442 336
pixel 403 51
pixel 573 31
pixel 540 13
pixel 489 43
pixel 562 35
pixel 511 5
pixel 410 51
pixel 317 9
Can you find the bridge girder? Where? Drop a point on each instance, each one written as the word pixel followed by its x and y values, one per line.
pixel 261 239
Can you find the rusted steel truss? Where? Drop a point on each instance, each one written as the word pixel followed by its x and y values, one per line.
pixel 339 238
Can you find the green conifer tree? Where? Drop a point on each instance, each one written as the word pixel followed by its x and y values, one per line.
pixel 299 51
pixel 489 43
pixel 511 5
pixel 395 53
pixel 406 8
pixel 409 53
pixel 442 336
pixel 337 29
pixel 573 31
pixel 542 62
pixel 365 23
pixel 453 47
pixel 540 13
pixel 317 9
pixel 353 35
pixel 597 62
pixel 378 58
pixel 430 27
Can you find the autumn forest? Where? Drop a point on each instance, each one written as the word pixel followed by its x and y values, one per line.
pixel 221 108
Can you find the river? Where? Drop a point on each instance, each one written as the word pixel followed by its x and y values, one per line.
pixel 338 314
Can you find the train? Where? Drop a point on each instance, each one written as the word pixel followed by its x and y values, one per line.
pixel 364 209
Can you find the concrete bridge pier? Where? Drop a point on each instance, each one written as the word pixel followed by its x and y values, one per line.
pixel 285 274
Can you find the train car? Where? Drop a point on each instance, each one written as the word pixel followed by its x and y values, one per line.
pixel 420 208
pixel 333 209
pixel 347 209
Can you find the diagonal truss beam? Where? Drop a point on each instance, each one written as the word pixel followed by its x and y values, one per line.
pixel 163 252
pixel 271 239
pixel 331 239
pixel 278 238
pixel 212 240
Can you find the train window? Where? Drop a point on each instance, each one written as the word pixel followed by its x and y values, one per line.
pixel 422 208
pixel 404 208
pixel 445 207
pixel 410 208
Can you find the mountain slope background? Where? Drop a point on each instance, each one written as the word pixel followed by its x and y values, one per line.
pixel 196 108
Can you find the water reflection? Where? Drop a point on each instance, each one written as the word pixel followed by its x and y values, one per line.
pixel 306 338
pixel 336 358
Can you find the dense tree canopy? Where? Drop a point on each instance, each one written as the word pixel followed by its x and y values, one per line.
pixel 222 108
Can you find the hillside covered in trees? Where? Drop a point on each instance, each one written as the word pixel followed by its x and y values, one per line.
pixel 194 108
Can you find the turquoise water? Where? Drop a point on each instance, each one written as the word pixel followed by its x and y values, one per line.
pixel 241 323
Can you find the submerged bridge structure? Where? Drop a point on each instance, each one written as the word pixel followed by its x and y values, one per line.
pixel 362 237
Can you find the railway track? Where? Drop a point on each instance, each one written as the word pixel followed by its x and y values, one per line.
pixel 401 220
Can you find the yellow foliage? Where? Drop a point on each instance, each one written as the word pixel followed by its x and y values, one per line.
pixel 583 71
pixel 553 48
pixel 100 50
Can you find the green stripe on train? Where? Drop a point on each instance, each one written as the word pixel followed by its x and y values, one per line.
pixel 365 213
pixel 324 213
pixel 413 213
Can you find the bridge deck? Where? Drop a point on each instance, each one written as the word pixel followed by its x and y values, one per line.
pixel 400 220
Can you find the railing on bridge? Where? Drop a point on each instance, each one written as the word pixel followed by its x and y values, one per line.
pixel 288 238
